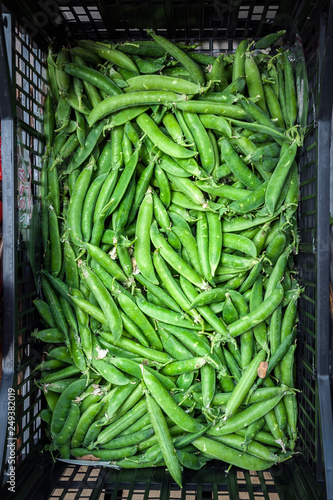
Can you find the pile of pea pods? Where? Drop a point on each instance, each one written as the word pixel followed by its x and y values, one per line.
pixel 169 192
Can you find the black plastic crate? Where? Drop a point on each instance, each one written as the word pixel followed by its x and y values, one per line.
pixel 27 27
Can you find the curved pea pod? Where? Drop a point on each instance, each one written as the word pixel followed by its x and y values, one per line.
pixel 82 153
pixel 214 295
pixel 278 272
pixel 63 405
pixel 109 53
pixel 142 243
pixel 287 368
pixel 273 105
pixel 116 103
pixel 172 346
pixel 49 119
pixel 208 386
pixel 238 66
pixel 50 335
pixel 62 114
pixel 163 142
pixel 230 455
pixel 165 315
pixel 245 417
pixel 217 123
pixel 250 202
pixel 259 314
pixel 51 74
pixel 238 167
pixel 129 347
pixel 168 405
pixel 170 166
pixel 268 40
pixel 239 242
pixel 229 111
pixel 104 300
pixel 215 238
pixel 120 424
pixel 244 384
pixel 109 372
pixel 276 246
pixel 104 455
pixel 105 261
pixel 290 92
pixel 237 224
pixel 55 243
pixel 202 140
pixel 256 298
pixel 76 204
pixel 173 258
pixel 69 425
pixel 253 448
pixel 183 366
pixel 134 438
pixel 196 73
pixel 254 83
pixel 279 176
pixel 165 83
pixel 164 439
pixel 94 77
pixel 134 313
pixel 55 307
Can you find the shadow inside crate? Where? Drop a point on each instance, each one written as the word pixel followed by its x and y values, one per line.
pixel 81 482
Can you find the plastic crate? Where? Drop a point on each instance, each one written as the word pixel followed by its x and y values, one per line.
pixel 27 27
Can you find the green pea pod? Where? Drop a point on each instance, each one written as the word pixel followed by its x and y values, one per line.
pixel 229 111
pixel 238 67
pixel 104 299
pixel 196 73
pixel 51 74
pixel 268 40
pixel 279 176
pixel 116 103
pixel 168 405
pixel 165 315
pixel 142 243
pixel 253 82
pixel 244 417
pixel 244 384
pixel 106 51
pixel 259 314
pixel 237 166
pixel 217 123
pixel 173 259
pixel 62 78
pixel 76 204
pixel 82 153
pixel 94 77
pixel 63 405
pixel 134 312
pixel 290 92
pixel 69 425
pixel 162 82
